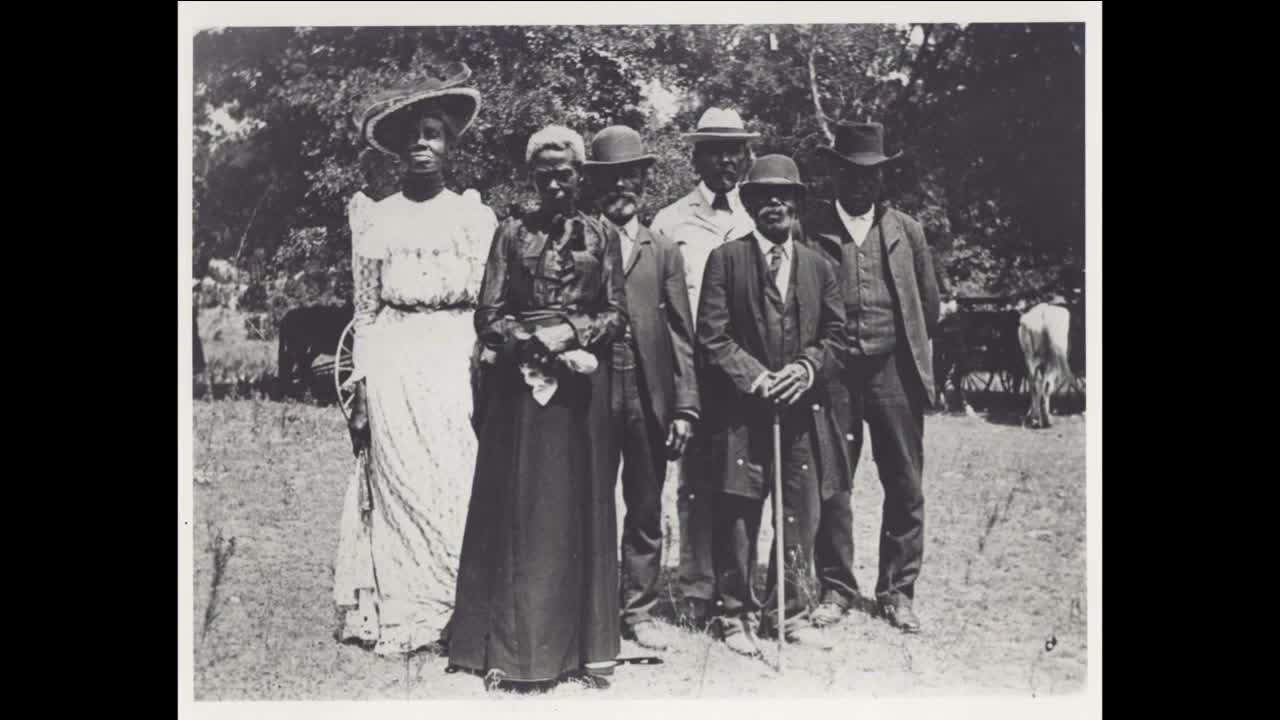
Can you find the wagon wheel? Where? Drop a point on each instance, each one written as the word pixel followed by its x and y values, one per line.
pixel 343 367
pixel 1010 382
pixel 991 378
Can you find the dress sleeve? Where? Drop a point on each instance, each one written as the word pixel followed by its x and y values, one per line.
pixel 366 270
pixel 480 227
pixel 494 329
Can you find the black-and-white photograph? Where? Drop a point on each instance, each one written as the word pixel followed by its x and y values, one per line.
pixel 536 354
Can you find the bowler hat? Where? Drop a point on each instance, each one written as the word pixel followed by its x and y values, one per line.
pixel 773 171
pixel 618 145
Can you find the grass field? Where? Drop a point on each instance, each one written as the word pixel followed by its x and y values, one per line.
pixel 1002 595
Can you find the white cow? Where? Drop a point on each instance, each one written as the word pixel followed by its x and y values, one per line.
pixel 1043 332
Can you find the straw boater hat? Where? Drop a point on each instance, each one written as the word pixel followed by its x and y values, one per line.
pixel 618 145
pixel 860 144
pixel 720 124
pixel 457 105
pixel 773 171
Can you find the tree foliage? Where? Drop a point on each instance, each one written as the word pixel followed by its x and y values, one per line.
pixel 991 118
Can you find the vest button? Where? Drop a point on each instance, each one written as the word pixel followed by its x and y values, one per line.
pixel 739 461
pixel 849 437
pixel 816 407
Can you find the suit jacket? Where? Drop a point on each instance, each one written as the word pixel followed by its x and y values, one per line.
pixel 731 349
pixel 662 327
pixel 915 282
pixel 692 225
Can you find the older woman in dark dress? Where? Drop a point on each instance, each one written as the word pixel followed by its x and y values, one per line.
pixel 537 597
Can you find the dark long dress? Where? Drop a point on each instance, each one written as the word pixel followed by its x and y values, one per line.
pixel 538 580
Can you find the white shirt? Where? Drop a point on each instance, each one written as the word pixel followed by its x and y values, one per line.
pixel 784 271
pixel 629 233
pixel 858 226
pixel 735 202
pixel 783 282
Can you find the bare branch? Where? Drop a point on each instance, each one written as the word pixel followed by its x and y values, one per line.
pixel 817 104
pixel 252 217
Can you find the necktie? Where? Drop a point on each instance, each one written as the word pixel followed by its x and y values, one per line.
pixel 775 264
pixel 721 202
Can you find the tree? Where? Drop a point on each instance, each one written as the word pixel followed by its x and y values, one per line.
pixel 990 117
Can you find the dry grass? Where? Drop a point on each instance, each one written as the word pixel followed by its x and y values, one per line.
pixel 1003 580
pixel 233 354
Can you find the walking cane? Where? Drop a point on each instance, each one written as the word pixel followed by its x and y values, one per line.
pixel 778 532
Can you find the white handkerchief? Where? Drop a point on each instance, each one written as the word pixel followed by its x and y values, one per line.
pixel 543 387
pixel 580 361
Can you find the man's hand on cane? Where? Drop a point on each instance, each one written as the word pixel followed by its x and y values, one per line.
pixel 790 383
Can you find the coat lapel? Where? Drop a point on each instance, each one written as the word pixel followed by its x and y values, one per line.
pixel 756 278
pixel 702 212
pixel 891 233
pixel 827 234
pixel 804 286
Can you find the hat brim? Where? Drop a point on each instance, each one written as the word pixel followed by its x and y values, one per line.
pixel 459 105
pixel 765 184
pixel 860 159
pixel 700 136
pixel 644 160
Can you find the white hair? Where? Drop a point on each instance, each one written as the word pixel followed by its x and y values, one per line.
pixel 556 137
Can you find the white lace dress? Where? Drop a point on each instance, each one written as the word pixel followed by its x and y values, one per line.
pixel 417 267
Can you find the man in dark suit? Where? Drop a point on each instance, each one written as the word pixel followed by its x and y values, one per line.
pixel 655 391
pixel 891 303
pixel 770 335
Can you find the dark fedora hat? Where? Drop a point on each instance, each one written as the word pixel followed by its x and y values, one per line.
pixel 457 105
pixel 618 145
pixel 860 144
pixel 771 171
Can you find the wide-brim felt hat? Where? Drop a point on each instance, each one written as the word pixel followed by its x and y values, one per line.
pixel 860 144
pixel 457 105
pixel 771 171
pixel 617 146
pixel 720 124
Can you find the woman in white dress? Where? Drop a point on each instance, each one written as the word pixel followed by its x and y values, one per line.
pixel 418 257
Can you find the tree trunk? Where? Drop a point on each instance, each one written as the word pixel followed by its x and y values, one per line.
pixel 817 104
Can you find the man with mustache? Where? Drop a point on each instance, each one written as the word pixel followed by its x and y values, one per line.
pixel 697 223
pixel 892 308
pixel 655 392
pixel 771 335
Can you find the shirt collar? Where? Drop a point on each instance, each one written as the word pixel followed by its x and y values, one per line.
pixel 632 228
pixel 766 245
pixel 710 197
pixel 845 217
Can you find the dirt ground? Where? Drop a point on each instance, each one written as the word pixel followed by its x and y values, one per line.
pixel 1002 595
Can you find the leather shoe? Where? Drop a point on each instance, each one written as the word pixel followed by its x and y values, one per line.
pixel 742 643
pixel 810 636
pixel 648 634
pixel 900 615
pixel 592 681
pixel 826 615
pixel 739 635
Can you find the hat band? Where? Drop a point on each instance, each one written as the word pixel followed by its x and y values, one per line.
pixel 724 130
